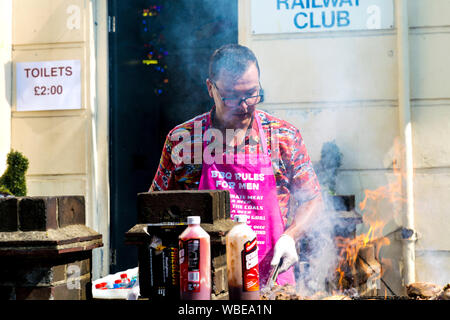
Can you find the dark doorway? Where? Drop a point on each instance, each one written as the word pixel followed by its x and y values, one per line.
pixel 159 52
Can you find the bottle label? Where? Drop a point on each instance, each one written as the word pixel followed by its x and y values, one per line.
pixel 190 265
pixel 164 271
pixel 250 270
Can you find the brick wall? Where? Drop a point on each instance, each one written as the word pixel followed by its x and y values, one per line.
pixel 175 206
pixel 45 248
pixel 219 273
pixel 63 278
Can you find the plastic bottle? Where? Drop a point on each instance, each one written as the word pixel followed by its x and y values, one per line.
pixel 101 286
pixel 195 262
pixel 242 261
pixel 125 280
pixel 117 284
pixel 132 282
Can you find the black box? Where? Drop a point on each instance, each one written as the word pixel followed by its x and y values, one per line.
pixel 159 276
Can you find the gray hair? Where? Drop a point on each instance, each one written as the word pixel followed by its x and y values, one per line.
pixel 231 58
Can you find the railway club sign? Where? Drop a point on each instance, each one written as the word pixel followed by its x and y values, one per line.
pixel 294 16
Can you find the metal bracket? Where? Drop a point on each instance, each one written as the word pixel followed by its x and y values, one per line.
pixel 111 24
pixel 112 257
pixel 406 234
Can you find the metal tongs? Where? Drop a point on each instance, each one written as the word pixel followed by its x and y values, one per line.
pixel 274 275
pixel 271 280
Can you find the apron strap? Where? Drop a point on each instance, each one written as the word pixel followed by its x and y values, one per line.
pixel 262 136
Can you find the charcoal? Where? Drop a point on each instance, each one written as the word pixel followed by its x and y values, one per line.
pixel 285 292
pixel 422 290
pixel 445 293
pixel 337 297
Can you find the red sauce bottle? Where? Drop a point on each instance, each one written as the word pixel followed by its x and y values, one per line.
pixel 195 262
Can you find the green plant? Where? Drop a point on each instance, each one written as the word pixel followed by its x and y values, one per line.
pixel 13 179
pixel 4 190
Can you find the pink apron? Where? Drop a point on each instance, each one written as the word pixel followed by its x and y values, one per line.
pixel 253 192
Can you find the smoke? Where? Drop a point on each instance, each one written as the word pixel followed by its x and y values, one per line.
pixel 435 264
pixel 318 254
pixel 197 28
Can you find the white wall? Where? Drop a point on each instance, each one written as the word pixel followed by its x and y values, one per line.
pixel 430 94
pixel 5 80
pixel 67 149
pixel 343 86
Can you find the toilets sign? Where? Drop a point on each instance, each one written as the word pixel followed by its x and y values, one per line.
pixel 293 16
pixel 48 85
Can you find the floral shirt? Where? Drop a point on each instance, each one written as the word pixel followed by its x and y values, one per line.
pixel 294 174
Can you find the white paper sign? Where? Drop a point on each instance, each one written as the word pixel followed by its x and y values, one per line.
pixel 287 16
pixel 48 85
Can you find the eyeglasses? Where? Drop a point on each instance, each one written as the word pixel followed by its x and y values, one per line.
pixel 249 101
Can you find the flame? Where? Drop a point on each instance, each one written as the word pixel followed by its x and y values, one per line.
pixel 350 249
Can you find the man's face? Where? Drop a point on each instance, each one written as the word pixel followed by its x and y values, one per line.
pixel 240 114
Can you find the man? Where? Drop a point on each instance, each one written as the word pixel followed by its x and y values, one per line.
pixel 260 159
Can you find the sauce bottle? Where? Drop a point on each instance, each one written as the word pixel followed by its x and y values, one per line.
pixel 195 262
pixel 242 261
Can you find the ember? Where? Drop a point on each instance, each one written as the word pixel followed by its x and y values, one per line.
pixel 416 291
pixel 286 292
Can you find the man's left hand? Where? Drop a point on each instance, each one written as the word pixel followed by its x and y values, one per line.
pixel 284 248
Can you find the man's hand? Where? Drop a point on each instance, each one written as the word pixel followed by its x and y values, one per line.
pixel 285 247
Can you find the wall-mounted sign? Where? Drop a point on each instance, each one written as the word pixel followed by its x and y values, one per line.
pixel 287 16
pixel 48 85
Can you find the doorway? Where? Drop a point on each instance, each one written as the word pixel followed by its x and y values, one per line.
pixel 158 65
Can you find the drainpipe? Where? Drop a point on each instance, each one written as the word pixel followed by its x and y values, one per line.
pixel 407 234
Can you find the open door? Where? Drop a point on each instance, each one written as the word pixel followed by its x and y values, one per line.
pixel 159 53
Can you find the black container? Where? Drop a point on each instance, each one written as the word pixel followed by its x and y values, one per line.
pixel 159 275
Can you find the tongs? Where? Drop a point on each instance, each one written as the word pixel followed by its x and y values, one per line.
pixel 274 275
pixel 271 280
